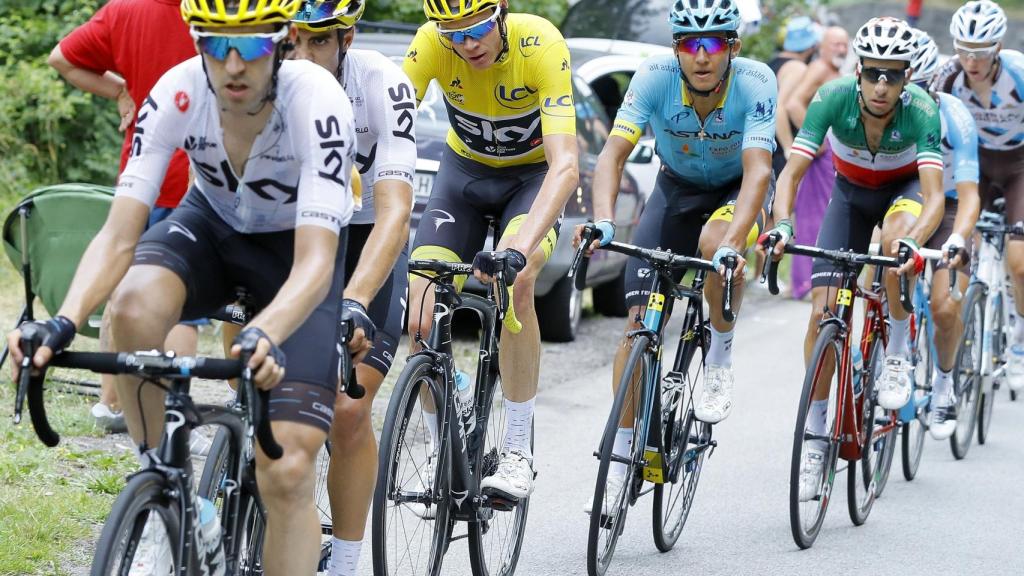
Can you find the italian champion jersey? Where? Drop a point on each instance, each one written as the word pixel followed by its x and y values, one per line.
pixel 499 116
pixel 909 143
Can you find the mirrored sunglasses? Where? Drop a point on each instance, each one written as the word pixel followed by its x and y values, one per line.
pixel 476 31
pixel 249 46
pixel 887 75
pixel 710 44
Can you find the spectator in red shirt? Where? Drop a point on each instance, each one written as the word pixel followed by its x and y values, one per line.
pixel 119 54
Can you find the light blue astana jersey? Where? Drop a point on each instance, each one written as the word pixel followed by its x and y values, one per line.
pixel 959 144
pixel 708 154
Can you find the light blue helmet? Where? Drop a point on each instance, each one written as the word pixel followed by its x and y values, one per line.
pixel 697 16
pixel 925 62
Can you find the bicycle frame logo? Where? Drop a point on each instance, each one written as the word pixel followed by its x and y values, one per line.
pixel 844 297
pixel 655 305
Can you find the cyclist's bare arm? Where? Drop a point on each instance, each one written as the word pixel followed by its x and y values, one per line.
pixel 306 287
pixel 757 173
pixel 107 85
pixel 392 200
pixel 608 175
pixel 797 103
pixel 968 208
pixel 561 180
pixel 104 263
pixel 934 205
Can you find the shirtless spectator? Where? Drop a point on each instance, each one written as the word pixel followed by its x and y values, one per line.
pixel 816 187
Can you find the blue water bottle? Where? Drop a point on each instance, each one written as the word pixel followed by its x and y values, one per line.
pixel 858 370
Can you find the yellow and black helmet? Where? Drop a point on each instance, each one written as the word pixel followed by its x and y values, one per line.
pixel 448 10
pixel 322 15
pixel 223 13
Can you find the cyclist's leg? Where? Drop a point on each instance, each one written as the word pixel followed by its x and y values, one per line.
pixel 170 272
pixel 301 407
pixel 903 211
pixel 353 467
pixel 1013 188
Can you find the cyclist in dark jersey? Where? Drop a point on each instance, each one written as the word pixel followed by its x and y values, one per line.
pixel 990 82
pixel 885 140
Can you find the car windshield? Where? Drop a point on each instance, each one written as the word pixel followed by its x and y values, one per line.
pixel 636 20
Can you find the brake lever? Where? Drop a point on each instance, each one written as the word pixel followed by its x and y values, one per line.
pixel 903 256
pixel 729 262
pixel 954 286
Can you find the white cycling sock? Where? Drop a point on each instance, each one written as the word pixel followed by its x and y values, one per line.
pixel 720 351
pixel 899 334
pixel 431 421
pixel 941 385
pixel 622 447
pixel 519 416
pixel 1018 328
pixel 344 557
pixel 816 420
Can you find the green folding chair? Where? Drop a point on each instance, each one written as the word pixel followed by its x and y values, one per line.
pixel 45 236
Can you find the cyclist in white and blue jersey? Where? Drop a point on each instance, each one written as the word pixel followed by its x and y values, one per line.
pixel 990 82
pixel 713 115
pixel 963 203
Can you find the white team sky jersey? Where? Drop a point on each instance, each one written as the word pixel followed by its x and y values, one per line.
pixel 384 105
pixel 299 166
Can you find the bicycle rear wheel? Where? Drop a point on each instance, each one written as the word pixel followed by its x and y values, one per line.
pixel 967 377
pixel 496 538
pixel 867 477
pixel 806 517
pixel 685 443
pixel 411 521
pixel 142 507
pixel 988 393
pixel 608 510
pixel 914 431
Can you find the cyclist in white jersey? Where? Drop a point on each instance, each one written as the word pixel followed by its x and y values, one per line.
pixel 272 145
pixel 960 182
pixel 990 81
pixel 384 105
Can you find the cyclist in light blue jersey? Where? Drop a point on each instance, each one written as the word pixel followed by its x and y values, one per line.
pixel 963 203
pixel 713 116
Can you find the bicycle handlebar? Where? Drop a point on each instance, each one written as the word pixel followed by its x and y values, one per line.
pixel 661 259
pixel 147 365
pixel 502 293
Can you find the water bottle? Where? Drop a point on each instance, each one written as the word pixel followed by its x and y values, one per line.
pixel 858 370
pixel 210 550
pixel 464 389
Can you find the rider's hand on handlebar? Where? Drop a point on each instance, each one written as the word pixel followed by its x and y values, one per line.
pixel 509 261
pixel 267 360
pixel 784 230
pixel 365 331
pixel 915 264
pixel 604 233
pixel 955 241
pixel 725 251
pixel 50 337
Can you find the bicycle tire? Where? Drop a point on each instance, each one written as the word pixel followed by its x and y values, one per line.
pixel 599 556
pixel 681 430
pixel 828 343
pixel 867 476
pixel 967 376
pixel 144 494
pixel 913 432
pixel 406 397
pixel 497 529
pixel 988 396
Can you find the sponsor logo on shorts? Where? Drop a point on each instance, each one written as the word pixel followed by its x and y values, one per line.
pixel 325 410
pixel 177 228
pixel 644 272
pixel 442 218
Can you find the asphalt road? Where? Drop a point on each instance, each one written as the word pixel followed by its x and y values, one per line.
pixel 963 517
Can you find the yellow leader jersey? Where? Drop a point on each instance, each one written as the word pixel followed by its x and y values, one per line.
pixel 499 116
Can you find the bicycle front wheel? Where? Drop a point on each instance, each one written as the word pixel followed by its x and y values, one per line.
pixel 914 431
pixel 967 377
pixel 612 500
pixel 411 521
pixel 807 514
pixel 998 348
pixel 867 477
pixel 686 442
pixel 142 517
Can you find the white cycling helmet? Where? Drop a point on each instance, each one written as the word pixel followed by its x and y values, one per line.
pixel 980 21
pixel 697 16
pixel 885 38
pixel 925 62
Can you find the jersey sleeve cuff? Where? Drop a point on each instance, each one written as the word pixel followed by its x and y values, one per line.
pixel 627 130
pixel 323 217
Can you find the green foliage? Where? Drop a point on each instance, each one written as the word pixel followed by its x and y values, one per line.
pixel 411 11
pixel 50 132
pixel 763 45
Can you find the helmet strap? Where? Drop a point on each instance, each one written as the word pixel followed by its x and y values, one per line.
pixel 503 30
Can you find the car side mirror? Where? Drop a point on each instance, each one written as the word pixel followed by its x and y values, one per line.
pixel 641 154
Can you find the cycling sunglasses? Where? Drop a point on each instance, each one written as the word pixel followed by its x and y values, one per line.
pixel 889 75
pixel 249 46
pixel 711 44
pixel 984 53
pixel 476 31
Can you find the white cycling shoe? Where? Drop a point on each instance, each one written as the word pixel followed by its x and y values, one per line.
pixel 811 470
pixel 716 400
pixel 612 490
pixel 1015 367
pixel 513 479
pixel 153 554
pixel 894 385
pixel 423 485
pixel 942 418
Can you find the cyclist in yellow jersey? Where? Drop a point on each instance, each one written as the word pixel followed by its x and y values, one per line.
pixel 512 156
